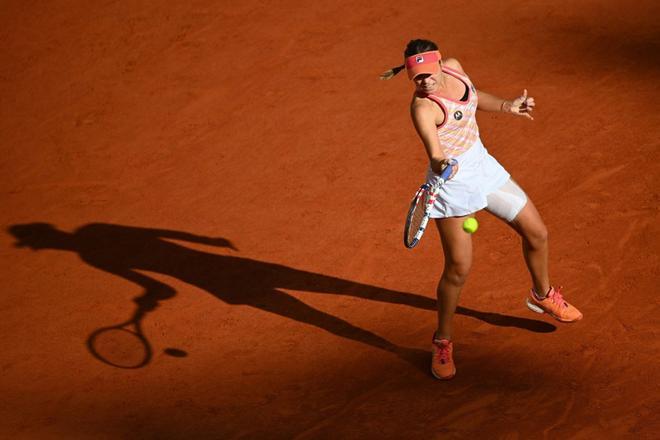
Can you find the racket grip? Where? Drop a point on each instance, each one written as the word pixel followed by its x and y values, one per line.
pixel 448 169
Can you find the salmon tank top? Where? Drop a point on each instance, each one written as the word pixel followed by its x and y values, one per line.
pixel 459 131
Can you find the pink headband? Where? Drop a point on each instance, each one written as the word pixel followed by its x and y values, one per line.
pixel 425 62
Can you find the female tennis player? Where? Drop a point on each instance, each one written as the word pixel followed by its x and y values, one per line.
pixel 443 110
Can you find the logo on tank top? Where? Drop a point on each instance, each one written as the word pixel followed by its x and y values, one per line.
pixel 458 115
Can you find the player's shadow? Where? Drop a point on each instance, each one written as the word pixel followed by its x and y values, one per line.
pixel 126 250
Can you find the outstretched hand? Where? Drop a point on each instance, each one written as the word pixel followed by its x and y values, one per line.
pixel 523 106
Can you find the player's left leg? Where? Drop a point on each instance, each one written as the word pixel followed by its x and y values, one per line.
pixel 534 234
pixel 512 205
pixel 543 298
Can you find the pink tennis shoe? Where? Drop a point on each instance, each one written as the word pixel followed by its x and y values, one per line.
pixel 442 362
pixel 553 304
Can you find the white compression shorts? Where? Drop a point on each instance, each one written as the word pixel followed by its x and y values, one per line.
pixel 507 201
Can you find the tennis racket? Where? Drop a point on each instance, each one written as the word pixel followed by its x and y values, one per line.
pixel 123 345
pixel 420 208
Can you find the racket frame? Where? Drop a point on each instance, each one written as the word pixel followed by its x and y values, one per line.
pixel 430 191
pixel 136 331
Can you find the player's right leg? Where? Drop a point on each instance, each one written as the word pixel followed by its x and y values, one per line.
pixel 457 249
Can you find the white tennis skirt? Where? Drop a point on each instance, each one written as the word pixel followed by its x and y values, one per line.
pixel 479 174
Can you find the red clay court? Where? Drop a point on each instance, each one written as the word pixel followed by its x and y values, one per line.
pixel 235 178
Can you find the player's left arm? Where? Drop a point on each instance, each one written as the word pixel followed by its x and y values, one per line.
pixel 521 106
pixel 185 236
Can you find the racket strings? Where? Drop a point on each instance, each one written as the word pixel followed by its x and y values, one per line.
pixel 416 218
pixel 120 347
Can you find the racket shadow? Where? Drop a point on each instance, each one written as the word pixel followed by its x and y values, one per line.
pixel 123 345
pixel 125 251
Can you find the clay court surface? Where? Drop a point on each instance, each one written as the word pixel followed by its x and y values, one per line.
pixel 240 169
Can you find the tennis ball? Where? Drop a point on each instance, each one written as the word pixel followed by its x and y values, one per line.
pixel 470 225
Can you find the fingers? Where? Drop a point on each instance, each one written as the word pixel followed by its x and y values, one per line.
pixel 529 102
pixel 525 111
pixel 523 105
pixel 527 106
pixel 449 163
pixel 526 100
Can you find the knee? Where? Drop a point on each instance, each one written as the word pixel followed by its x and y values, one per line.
pixel 456 272
pixel 538 237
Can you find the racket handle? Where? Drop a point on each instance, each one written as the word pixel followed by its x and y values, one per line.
pixel 448 169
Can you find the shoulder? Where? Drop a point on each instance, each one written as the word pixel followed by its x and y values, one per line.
pixel 426 114
pixel 453 63
pixel 420 106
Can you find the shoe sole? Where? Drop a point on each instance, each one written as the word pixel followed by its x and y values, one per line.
pixel 534 308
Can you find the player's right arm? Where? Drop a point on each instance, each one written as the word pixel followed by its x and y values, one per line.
pixel 426 119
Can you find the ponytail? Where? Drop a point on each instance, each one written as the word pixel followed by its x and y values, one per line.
pixel 393 71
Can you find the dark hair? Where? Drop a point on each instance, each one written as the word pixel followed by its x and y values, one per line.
pixel 418 46
pixel 413 48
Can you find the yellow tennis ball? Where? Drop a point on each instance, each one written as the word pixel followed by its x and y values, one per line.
pixel 470 225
